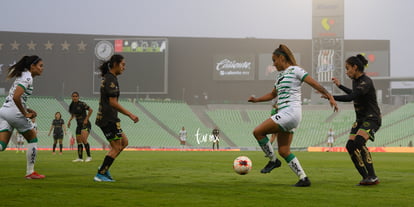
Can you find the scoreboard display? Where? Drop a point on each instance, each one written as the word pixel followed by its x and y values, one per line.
pixel 146 64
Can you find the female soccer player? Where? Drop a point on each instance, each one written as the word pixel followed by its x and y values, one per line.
pixel 14 112
pixel 368 117
pixel 216 137
pixel 59 129
pixel 107 117
pixel 183 137
pixel 78 109
pixel 288 90
pixel 331 138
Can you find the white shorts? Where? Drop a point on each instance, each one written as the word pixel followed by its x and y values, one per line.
pixel 330 140
pixel 11 118
pixel 20 138
pixel 288 118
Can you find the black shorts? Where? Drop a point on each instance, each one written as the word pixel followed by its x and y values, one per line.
pixel 370 126
pixel 81 127
pixel 58 136
pixel 112 131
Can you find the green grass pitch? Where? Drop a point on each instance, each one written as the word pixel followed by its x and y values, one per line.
pixel 184 178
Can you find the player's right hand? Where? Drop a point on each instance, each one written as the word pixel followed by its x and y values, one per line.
pixel 134 118
pixel 252 99
pixel 336 81
pixel 32 113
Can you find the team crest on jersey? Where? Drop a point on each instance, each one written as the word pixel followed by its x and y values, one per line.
pixel 366 124
pixel 112 85
pixel 355 125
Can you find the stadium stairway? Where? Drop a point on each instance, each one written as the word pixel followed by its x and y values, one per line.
pixel 153 118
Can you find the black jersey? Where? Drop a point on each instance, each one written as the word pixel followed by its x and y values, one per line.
pixel 57 126
pixel 364 95
pixel 216 132
pixel 78 109
pixel 109 88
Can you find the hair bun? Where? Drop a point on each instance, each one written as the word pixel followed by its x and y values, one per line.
pixel 362 59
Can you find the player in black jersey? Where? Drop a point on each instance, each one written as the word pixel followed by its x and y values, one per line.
pixel 216 137
pixel 368 117
pixel 107 117
pixel 59 129
pixel 78 110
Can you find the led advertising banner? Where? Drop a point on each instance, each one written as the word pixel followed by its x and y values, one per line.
pixel 234 67
pixel 327 18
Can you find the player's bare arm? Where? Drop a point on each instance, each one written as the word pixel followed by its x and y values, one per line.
pixel 113 101
pixel 325 94
pixel 266 97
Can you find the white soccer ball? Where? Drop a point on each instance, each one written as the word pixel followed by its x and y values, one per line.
pixel 242 165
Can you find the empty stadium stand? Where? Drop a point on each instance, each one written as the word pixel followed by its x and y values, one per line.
pixel 160 122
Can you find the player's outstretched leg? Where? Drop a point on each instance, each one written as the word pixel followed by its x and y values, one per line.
pixel 268 150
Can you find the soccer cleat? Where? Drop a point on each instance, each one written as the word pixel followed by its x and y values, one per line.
pixel 88 159
pixel 305 182
pixel 271 165
pixel 77 160
pixel 107 173
pixel 371 180
pixel 102 178
pixel 34 175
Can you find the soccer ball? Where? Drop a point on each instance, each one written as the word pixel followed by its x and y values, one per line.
pixel 242 165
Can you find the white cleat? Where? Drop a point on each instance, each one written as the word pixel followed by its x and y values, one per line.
pixel 77 160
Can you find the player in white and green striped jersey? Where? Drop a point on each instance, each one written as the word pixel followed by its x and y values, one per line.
pixel 287 89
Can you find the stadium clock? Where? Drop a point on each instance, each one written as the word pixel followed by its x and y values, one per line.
pixel 104 50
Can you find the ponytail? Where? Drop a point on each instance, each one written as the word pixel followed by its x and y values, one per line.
pixel 285 51
pixel 17 69
pixel 104 68
pixel 107 65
